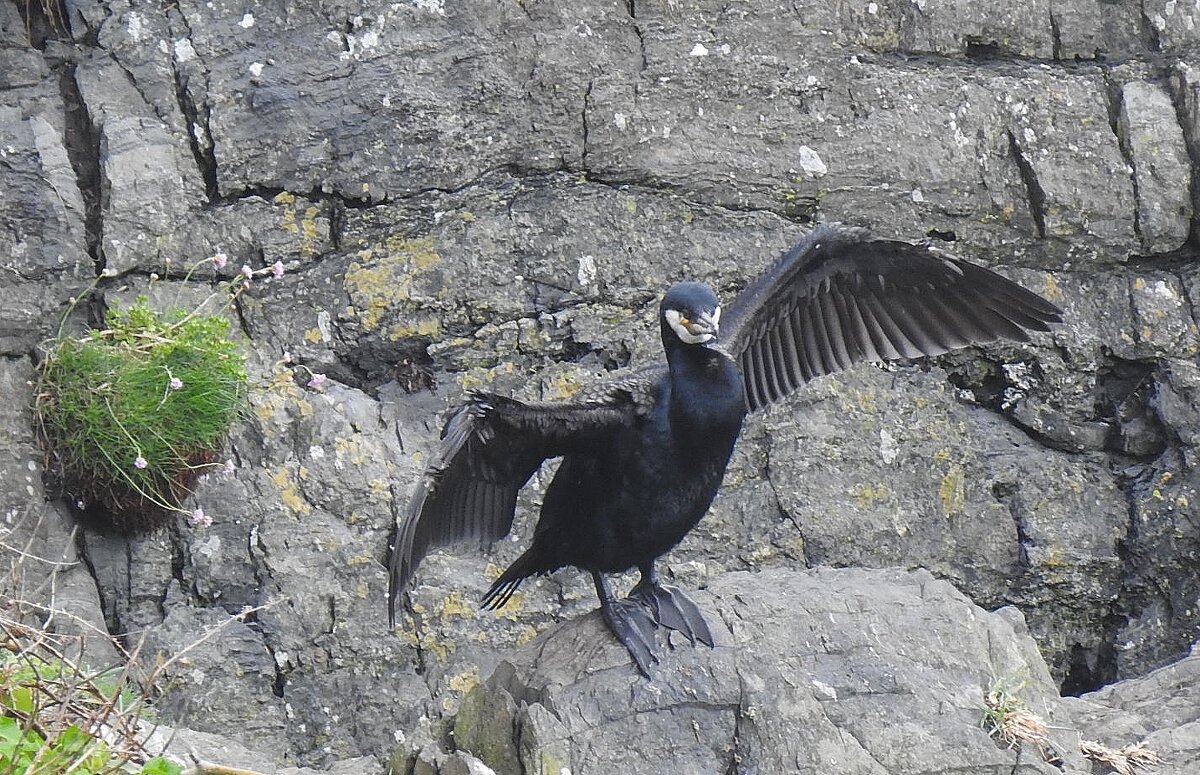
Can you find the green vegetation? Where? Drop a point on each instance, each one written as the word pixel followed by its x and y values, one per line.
pixel 1008 720
pixel 52 714
pixel 134 413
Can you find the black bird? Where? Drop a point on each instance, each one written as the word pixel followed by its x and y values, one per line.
pixel 644 454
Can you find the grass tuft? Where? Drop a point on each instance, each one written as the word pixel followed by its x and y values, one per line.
pixel 1007 719
pixel 133 414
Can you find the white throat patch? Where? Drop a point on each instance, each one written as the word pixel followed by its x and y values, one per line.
pixel 681 328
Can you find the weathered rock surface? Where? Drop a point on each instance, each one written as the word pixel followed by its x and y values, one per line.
pixel 832 670
pixel 1159 709
pixel 494 194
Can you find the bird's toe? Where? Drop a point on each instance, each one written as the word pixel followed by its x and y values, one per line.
pixel 633 626
pixel 675 610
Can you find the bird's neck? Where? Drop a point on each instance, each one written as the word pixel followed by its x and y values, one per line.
pixel 706 390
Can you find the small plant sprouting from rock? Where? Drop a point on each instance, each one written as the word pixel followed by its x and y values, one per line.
pixel 133 414
pixel 1007 719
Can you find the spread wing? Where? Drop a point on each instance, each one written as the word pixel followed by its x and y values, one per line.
pixel 490 447
pixel 841 296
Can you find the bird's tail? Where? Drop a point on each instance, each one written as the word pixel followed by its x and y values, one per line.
pixel 504 587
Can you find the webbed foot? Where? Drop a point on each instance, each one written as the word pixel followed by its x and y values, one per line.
pixel 632 625
pixel 672 609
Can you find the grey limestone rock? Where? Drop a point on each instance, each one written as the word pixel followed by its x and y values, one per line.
pixel 1158 709
pixel 850 671
pixel 1162 170
pixel 43 246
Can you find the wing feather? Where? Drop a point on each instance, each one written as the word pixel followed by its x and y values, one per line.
pixel 491 446
pixel 841 296
pixel 834 329
pixel 794 369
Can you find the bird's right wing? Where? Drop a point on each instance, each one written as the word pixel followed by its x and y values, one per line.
pixel 490 447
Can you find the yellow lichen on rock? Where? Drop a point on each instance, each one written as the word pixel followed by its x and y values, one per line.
pixel 289 493
pixel 867 495
pixel 453 605
pixel 465 681
pixel 382 284
pixel 953 491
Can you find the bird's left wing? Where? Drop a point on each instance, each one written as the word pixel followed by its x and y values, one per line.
pixel 841 296
pixel 490 447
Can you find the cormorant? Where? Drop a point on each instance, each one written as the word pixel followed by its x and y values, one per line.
pixel 643 454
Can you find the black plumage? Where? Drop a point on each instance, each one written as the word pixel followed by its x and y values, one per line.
pixel 643 454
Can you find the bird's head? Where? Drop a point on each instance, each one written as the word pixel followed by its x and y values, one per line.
pixel 690 313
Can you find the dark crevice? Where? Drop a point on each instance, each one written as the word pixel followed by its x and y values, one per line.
pixel 269 193
pixel 372 363
pixel 1125 391
pixel 1091 667
pixel 1056 46
pixel 243 321
pixel 977 52
pixel 998 390
pixel 257 552
pixel 1153 609
pixel 1172 262
pixel 587 95
pixel 1150 36
pixel 1186 99
pixel 637 30
pixel 279 684
pixel 178 564
pixel 1008 493
pixel 201 145
pixel 982 50
pixel 1034 192
pixel 197 118
pixel 337 225
pixel 108 608
pixel 82 141
pixel 1115 103
pixel 802 211
pixel 44 21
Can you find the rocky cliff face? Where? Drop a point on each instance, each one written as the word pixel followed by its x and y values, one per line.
pixel 495 193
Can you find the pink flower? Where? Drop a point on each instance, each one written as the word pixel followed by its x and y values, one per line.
pixel 140 462
pixel 200 519
pixel 230 467
pixel 220 260
pixel 277 269
pixel 247 272
pixel 317 381
pixel 175 384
